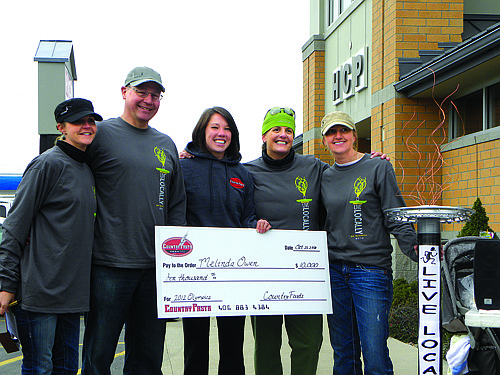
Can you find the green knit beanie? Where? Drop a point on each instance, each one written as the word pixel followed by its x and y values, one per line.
pixel 279 117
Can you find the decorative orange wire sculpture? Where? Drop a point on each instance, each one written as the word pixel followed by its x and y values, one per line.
pixel 434 162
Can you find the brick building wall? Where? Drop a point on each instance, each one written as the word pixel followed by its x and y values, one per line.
pixel 400 29
pixel 314 104
pixel 475 172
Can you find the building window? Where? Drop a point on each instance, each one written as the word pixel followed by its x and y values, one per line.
pixel 344 4
pixel 493 106
pixel 331 12
pixel 467 117
pixel 336 8
pixel 475 112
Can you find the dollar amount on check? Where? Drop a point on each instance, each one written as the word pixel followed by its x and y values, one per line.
pixel 233 271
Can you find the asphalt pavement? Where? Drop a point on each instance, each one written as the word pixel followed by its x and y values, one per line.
pixel 404 356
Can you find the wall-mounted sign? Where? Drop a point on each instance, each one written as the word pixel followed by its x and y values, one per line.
pixel 350 77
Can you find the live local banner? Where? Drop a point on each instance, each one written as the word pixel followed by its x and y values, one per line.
pixel 237 271
pixel 429 285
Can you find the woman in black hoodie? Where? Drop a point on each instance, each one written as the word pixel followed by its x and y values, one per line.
pixel 219 194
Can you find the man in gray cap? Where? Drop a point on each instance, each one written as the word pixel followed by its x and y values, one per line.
pixel 138 185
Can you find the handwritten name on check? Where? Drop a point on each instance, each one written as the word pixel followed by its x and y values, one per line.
pixel 237 271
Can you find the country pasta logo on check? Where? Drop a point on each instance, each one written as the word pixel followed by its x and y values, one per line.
pixel 177 246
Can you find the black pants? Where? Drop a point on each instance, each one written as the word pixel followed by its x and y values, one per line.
pixel 196 339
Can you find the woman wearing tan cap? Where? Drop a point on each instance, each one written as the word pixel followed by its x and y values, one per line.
pixel 355 191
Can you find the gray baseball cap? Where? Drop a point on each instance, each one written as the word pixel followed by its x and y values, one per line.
pixel 143 74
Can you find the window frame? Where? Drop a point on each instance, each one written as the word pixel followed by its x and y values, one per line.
pixel 487 111
pixel 335 8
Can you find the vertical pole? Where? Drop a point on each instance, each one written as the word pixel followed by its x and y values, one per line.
pixel 429 285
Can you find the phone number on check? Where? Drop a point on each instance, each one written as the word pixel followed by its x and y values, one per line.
pixel 258 306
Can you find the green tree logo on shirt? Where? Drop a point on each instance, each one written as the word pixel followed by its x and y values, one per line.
pixel 301 184
pixel 160 154
pixel 359 186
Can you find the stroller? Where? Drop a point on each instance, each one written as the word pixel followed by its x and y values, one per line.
pixel 457 274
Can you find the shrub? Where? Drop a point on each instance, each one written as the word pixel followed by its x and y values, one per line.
pixel 403 317
pixel 405 293
pixel 478 222
pixel 403 323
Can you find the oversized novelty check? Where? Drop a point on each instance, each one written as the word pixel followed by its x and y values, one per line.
pixel 233 271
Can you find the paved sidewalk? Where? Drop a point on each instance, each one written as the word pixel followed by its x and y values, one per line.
pixel 404 356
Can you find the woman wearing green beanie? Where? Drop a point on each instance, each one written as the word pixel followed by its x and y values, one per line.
pixel 277 198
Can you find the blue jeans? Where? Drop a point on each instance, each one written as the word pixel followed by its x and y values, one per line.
pixel 49 342
pixel 121 296
pixel 361 297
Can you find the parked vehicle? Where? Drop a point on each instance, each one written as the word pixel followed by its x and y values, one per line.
pixel 5 203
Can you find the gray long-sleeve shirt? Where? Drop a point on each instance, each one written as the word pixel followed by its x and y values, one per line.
pixel 355 197
pixel 139 185
pixel 288 194
pixel 54 206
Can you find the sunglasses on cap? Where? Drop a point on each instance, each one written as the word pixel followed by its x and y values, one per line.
pixel 276 110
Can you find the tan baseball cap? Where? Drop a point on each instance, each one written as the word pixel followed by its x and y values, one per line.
pixel 336 118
